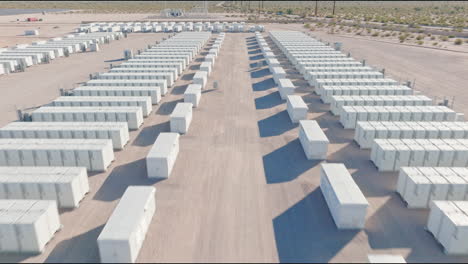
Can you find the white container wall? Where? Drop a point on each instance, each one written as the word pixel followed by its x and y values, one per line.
pixel 313 140
pixel 162 156
pixel 346 203
pixel 181 117
pixel 124 233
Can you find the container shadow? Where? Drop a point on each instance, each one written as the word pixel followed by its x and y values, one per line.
pixel 15 258
pixel 149 134
pixel 187 77
pixel 258 57
pixel 264 85
pixel 253 47
pixel 286 163
pixel 180 89
pixel 167 107
pixel 194 67
pixel 268 101
pixel 255 51
pixel 260 73
pixel 121 59
pixel 132 173
pixel 80 248
pixel 275 125
pixel 200 60
pixel 306 232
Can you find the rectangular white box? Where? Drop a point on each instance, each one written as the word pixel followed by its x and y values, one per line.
pixel 382 258
pixel 313 140
pixel 347 204
pixel 201 77
pixel 192 94
pixel 162 156
pixel 297 108
pixel 285 87
pixel 124 233
pixel 181 117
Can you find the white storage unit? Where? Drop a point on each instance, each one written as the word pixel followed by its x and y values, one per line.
pixel 346 203
pixel 206 66
pixel 350 115
pixel 286 88
pixel 418 186
pixel 366 90
pixel 173 72
pixel 391 154
pixel 24 60
pixel 94 154
pixel 211 59
pixel 155 65
pixel 141 101
pixel 278 73
pixel 297 108
pixel 383 258
pixel 366 132
pixel 184 57
pixel 133 115
pixel 137 76
pixel 66 185
pixel 116 131
pixel 162 84
pixel 26 226
pixel 448 222
pixel 313 140
pixel 201 78
pixel 162 156
pixel 9 65
pixel 181 117
pixel 193 94
pixel 156 61
pixel 337 101
pixel 124 233
pixel 154 92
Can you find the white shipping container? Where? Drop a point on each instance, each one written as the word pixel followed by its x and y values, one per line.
pixel 162 156
pixel 181 117
pixel 66 185
pixel 124 233
pixel 297 108
pixel 313 140
pixel 94 154
pixel 26 226
pixel 345 200
pixel 154 92
pixel 201 78
pixel 286 88
pixel 193 94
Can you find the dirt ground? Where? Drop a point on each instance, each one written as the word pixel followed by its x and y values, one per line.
pixel 241 189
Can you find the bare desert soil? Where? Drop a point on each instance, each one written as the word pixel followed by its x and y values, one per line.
pixel 242 189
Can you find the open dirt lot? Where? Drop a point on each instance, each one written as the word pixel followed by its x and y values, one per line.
pixel 241 189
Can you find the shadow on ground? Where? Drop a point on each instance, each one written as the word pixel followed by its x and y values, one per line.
pixel 268 101
pixel 286 163
pixel 78 248
pixel 306 232
pixel 275 125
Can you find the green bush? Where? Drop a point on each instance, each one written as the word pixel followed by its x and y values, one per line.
pixel 435 43
pixel 444 38
pixel 419 37
pixel 432 37
pixel 420 42
pixel 307 25
pixel 402 38
pixel 458 42
pixel 375 34
pixel 451 36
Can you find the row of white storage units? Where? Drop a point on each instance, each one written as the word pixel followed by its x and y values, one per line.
pixel 66 185
pixel 392 154
pixel 96 101
pixel 303 67
pixel 448 222
pixel 320 83
pixel 338 101
pixel 26 226
pixel 169 27
pixel 131 114
pixel 418 186
pixel 94 154
pixel 329 91
pixel 115 131
pixel 366 132
pixel 315 76
pixel 310 71
pixel 350 115
pixel 44 51
pixel 154 92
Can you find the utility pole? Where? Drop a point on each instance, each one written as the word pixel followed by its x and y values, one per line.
pixel 334 3
pixel 316 7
